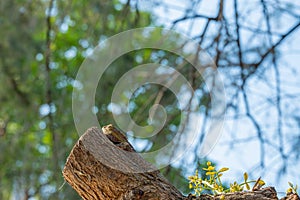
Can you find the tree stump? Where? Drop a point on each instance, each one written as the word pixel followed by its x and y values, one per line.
pixel 97 170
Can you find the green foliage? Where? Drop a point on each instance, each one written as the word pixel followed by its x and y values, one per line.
pixel 212 181
pixel 27 158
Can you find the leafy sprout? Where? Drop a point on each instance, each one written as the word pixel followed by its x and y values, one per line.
pixel 212 181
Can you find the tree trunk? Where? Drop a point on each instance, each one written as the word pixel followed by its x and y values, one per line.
pixel 97 169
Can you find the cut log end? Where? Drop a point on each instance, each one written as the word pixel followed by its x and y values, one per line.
pixel 97 169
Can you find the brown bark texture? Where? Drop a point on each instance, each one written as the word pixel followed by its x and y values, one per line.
pixel 99 170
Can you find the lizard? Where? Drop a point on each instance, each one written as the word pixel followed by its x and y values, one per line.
pixel 117 137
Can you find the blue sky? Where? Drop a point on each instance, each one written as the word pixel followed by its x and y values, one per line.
pixel 245 155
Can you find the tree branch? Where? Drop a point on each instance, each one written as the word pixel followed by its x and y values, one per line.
pixel 97 169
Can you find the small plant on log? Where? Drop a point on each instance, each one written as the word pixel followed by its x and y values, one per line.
pixel 212 182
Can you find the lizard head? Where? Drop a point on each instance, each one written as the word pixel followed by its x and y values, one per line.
pixel 108 129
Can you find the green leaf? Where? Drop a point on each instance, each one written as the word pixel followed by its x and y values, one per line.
pixel 247 186
pixel 223 169
pixel 245 177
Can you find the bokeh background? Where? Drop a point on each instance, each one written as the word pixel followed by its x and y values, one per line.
pixel 254 44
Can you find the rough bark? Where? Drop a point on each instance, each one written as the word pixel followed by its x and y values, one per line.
pixel 267 193
pixel 97 170
pixel 263 194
